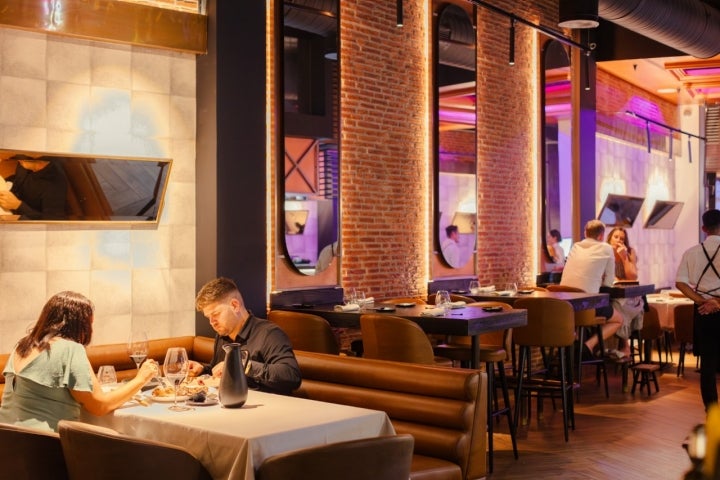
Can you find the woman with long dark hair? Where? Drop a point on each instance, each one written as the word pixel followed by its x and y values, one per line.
pixel 48 376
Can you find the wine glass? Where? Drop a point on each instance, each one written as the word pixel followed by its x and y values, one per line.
pixel 442 300
pixel 474 287
pixel 137 347
pixel 350 296
pixel 176 368
pixel 107 377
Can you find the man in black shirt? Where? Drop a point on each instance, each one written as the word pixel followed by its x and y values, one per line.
pixel 272 366
pixel 39 190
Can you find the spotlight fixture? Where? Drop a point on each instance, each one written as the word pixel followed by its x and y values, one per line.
pixel 511 60
pixel 399 13
pixel 578 14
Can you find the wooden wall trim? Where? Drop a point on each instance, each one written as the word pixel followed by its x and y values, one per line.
pixel 110 21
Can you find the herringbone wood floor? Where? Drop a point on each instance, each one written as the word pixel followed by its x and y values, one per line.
pixel 623 437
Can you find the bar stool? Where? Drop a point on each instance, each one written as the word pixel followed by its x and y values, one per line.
pixel 551 324
pixel 586 320
pixel 683 322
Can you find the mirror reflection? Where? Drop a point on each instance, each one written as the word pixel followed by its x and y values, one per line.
pixel 456 127
pixel 557 157
pixel 311 158
pixel 56 187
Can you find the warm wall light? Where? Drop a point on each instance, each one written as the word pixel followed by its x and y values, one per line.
pixel 670 150
pixel 587 70
pixel 689 150
pixel 399 13
pixel 511 60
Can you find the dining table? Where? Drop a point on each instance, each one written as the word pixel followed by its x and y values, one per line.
pixel 460 320
pixel 665 306
pixel 628 290
pixel 232 442
pixel 578 300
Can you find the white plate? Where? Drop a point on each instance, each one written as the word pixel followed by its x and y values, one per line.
pixel 207 403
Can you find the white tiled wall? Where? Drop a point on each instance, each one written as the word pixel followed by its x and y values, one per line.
pixel 67 95
pixel 628 169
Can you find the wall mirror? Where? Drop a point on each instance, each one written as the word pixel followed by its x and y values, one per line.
pixel 309 167
pixel 456 152
pixel 81 188
pixel 557 152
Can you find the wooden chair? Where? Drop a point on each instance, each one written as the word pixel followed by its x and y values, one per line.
pixel 586 320
pixel 29 453
pixel 651 332
pixel 683 322
pixel 415 300
pixel 388 337
pixel 307 332
pixel 93 452
pixel 377 458
pixel 551 324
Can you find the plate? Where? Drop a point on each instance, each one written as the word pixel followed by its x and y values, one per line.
pixel 385 309
pixel 492 309
pixel 207 403
pixel 180 398
pixel 526 292
pixel 405 305
pixel 459 291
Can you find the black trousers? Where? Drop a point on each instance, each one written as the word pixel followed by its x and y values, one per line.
pixel 706 344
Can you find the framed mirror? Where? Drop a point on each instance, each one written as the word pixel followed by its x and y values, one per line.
pixel 310 163
pixel 556 155
pixel 455 134
pixel 620 210
pixel 664 214
pixel 55 187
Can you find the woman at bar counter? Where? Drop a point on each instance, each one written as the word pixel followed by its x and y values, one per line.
pixel 631 309
pixel 48 377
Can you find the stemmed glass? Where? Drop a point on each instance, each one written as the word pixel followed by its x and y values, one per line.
pixel 137 347
pixel 442 300
pixel 176 368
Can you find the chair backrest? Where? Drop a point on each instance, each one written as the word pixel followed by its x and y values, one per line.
pixel 30 453
pixel 454 297
pixel 563 288
pixel 683 323
pixel 378 458
pixel 387 337
pixel 583 318
pixel 501 338
pixel 551 323
pixel 651 328
pixel 93 452
pixel 307 332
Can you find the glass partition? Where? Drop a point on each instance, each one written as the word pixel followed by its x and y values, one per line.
pixel 456 181
pixel 49 187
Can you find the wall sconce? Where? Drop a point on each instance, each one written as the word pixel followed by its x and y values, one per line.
pixel 399 13
pixel 587 70
pixel 670 150
pixel 689 150
pixel 511 60
pixel 578 14
pixel 647 133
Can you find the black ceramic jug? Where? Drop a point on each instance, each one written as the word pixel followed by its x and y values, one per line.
pixel 233 389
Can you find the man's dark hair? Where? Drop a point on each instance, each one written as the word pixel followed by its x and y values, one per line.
pixel 450 229
pixel 711 220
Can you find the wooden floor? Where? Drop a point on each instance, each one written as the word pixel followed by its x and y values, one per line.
pixel 623 437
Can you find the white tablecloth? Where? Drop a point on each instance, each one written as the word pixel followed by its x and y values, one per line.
pixel 665 306
pixel 231 443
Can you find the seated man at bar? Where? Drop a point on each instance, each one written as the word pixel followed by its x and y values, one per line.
pixel 39 190
pixel 590 265
pixel 271 366
pixel 450 246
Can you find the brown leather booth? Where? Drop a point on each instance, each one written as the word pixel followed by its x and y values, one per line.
pixel 444 409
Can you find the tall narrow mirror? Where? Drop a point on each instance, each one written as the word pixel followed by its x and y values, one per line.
pixel 309 169
pixel 456 183
pixel 556 157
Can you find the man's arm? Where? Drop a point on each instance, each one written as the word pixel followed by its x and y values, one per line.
pixel 275 367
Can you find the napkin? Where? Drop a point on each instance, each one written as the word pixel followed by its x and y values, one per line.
pixel 458 304
pixel 367 300
pixel 489 288
pixel 433 312
pixel 350 307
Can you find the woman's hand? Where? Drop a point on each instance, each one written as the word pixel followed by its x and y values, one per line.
pixel 621 252
pixel 148 370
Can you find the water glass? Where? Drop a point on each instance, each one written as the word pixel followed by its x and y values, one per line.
pixel 474 287
pixel 350 296
pixel 442 300
pixel 511 288
pixel 106 376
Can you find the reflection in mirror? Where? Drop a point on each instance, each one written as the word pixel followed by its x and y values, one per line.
pixel 664 214
pixel 68 187
pixel 557 157
pixel 311 158
pixel 456 156
pixel 620 210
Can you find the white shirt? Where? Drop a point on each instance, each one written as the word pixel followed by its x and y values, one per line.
pixel 693 263
pixel 590 265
